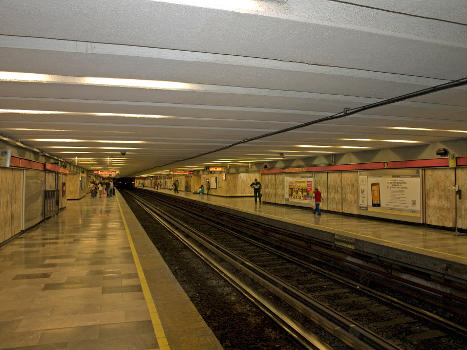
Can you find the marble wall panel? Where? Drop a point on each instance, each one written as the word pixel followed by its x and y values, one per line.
pixel 17 188
pixel 195 183
pixel 62 187
pixel 73 191
pixel 268 182
pixel 34 197
pixel 5 203
pixel 334 192
pixel 280 188
pixel 461 180
pixel 50 180
pixel 350 192
pixel 439 197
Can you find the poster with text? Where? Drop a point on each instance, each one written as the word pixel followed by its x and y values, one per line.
pixel 362 191
pixel 299 189
pixel 400 193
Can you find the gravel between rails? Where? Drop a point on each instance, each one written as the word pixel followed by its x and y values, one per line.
pixel 235 321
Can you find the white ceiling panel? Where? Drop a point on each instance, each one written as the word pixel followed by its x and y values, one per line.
pixel 246 71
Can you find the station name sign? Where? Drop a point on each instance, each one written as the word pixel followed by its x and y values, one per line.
pixel 106 173
pixel 216 168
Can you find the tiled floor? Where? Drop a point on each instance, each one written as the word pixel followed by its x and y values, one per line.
pixel 414 238
pixel 71 283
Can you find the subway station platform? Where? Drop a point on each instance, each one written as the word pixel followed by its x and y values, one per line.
pixel 429 248
pixel 89 278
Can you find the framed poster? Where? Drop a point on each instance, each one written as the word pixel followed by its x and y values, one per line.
pixel 362 192
pixel 213 182
pixel 299 189
pixel 401 194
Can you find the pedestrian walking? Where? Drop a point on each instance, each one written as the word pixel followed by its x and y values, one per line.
pixel 256 186
pixel 317 196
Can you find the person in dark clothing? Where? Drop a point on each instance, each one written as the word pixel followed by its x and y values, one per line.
pixel 256 186
pixel 317 196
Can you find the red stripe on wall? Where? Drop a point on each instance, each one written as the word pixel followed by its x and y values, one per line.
pixel 14 161
pixel 422 163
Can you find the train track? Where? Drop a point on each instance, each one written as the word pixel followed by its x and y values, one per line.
pixel 300 295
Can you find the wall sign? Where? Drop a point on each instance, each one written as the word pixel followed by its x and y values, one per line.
pixel 299 189
pixel 394 193
pixel 216 168
pixel 362 192
pixel 5 157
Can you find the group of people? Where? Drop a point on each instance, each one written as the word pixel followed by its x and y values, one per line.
pixel 256 186
pixel 205 190
pixel 102 188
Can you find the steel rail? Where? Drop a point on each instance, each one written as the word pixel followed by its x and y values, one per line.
pixel 345 329
pixel 418 312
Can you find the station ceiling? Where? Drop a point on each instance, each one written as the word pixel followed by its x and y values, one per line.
pixel 164 81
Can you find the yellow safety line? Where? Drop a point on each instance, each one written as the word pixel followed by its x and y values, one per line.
pixel 156 322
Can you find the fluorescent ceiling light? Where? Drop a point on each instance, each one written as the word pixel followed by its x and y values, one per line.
pixel 275 150
pixel 226 5
pixel 73 152
pixel 314 146
pixel 358 140
pixel 263 154
pixel 28 129
pixel 99 81
pixel 115 141
pixel 462 131
pixel 423 129
pixel 124 115
pixel 402 141
pixel 314 152
pixel 19 76
pixel 408 128
pixel 353 147
pixel 55 140
pixel 60 147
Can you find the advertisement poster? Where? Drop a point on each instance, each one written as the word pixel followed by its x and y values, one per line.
pixel 400 193
pixel 299 189
pixel 362 191
pixel 213 182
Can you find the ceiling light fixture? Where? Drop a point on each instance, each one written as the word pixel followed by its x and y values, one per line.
pixel 401 141
pixel 357 139
pixel 314 146
pixel 99 81
pixel 124 115
pixel 30 129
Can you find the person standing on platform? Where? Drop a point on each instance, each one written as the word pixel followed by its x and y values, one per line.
pixel 208 186
pixel 317 196
pixel 111 189
pixel 256 186
pixel 176 186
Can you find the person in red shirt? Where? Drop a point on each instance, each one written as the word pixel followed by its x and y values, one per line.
pixel 317 196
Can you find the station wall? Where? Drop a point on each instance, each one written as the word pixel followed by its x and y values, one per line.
pixel 340 190
pixel 23 187
pixel 76 186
